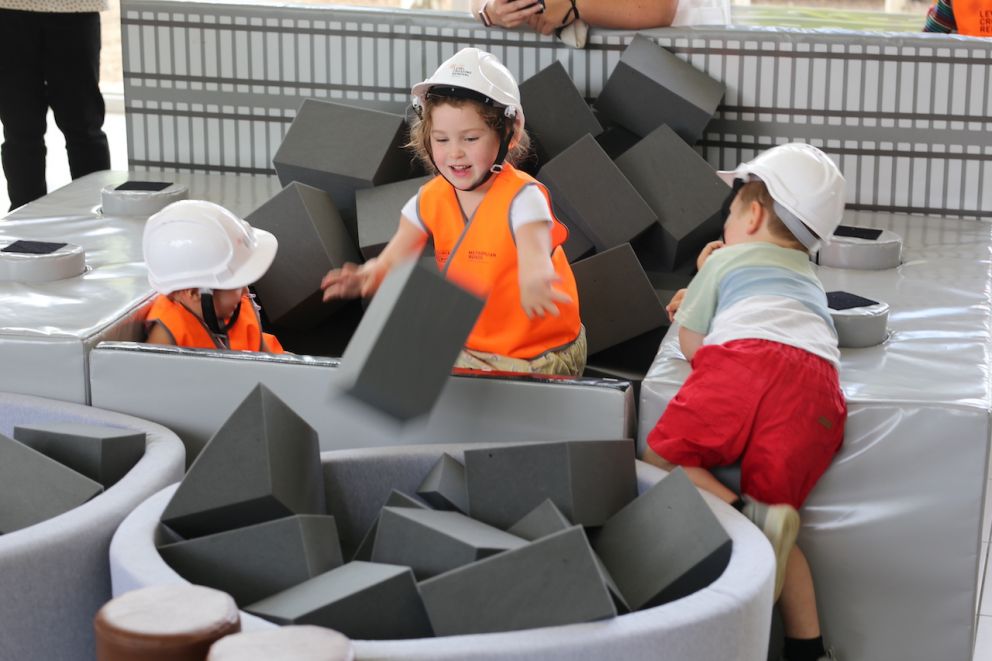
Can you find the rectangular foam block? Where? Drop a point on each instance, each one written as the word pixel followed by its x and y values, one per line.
pixel 616 297
pixel 103 454
pixel 615 140
pixel 379 210
pixel 396 499
pixel 34 488
pixel 401 355
pixel 256 561
pixel 587 480
pixel 262 464
pixel 682 190
pixel 362 600
pixel 665 545
pixel 549 582
pixel 557 115
pixel 650 86
pixel 432 542
pixel 577 245
pixel 340 149
pixel 592 193
pixel 312 240
pixel 444 486
pixel 634 355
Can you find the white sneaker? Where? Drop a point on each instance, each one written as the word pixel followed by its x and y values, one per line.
pixel 780 524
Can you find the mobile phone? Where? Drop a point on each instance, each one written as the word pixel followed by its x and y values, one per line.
pixel 539 2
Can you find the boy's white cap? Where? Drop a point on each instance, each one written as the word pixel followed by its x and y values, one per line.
pixel 477 71
pixel 804 183
pixel 199 244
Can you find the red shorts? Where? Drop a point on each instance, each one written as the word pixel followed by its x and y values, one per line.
pixel 777 409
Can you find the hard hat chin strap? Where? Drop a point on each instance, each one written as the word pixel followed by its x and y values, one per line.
pixel 210 314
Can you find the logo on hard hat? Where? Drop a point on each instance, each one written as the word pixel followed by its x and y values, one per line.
pixel 459 71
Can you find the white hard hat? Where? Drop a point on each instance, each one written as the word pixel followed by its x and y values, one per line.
pixel 805 185
pixel 477 71
pixel 199 244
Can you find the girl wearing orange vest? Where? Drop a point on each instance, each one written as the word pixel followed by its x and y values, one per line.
pixel 491 225
pixel 201 259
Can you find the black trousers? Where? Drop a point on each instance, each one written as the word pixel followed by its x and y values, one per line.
pixel 49 60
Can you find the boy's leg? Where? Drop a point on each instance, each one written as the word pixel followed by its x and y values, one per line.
pixel 780 524
pixel 701 477
pixel 799 615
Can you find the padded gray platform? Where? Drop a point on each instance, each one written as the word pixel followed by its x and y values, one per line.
pixel 312 240
pixel 727 620
pixel 54 575
pixel 44 347
pixel 881 515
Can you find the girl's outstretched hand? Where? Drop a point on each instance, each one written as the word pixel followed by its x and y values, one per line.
pixel 538 295
pixel 350 281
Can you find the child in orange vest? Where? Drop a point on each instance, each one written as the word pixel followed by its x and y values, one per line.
pixel 492 226
pixel 201 259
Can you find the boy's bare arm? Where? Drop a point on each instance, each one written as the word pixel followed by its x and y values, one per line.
pixel 535 271
pixel 689 342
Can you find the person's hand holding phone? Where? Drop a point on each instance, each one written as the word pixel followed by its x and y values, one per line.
pixel 509 13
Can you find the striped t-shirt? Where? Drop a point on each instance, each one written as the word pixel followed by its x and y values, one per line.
pixel 760 291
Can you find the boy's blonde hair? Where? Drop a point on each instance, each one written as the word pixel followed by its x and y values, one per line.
pixel 756 191
pixel 420 129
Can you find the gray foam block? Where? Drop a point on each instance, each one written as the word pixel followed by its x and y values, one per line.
pixel 616 297
pixel 587 480
pixel 682 189
pixel 104 454
pixel 549 582
pixel 256 561
pixel 340 149
pixel 396 499
pixel 262 464
pixel 650 87
pixel 592 194
pixel 432 542
pixel 577 245
pixel 362 600
pixel 665 545
pixel 557 114
pixel 402 352
pixel 312 240
pixel 379 213
pixel 666 284
pixel 444 487
pixel 34 487
pixel 616 140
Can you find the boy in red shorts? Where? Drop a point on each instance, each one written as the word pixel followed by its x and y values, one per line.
pixel 764 391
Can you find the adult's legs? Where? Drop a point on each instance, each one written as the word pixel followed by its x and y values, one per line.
pixel 22 105
pixel 72 71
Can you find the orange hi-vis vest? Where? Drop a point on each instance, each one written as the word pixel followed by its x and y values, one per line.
pixel 482 253
pixel 188 330
pixel 973 17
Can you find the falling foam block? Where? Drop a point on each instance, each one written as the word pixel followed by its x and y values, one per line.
pixel 34 488
pixel 432 542
pixel 546 519
pixel 341 149
pixel 312 241
pixel 379 213
pixel 401 354
pixel 444 486
pixel 262 464
pixel 549 582
pixel 362 600
pixel 592 194
pixel 396 499
pixel 557 114
pixel 682 190
pixel 650 87
pixel 665 545
pixel 256 561
pixel 104 454
pixel 587 480
pixel 616 297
